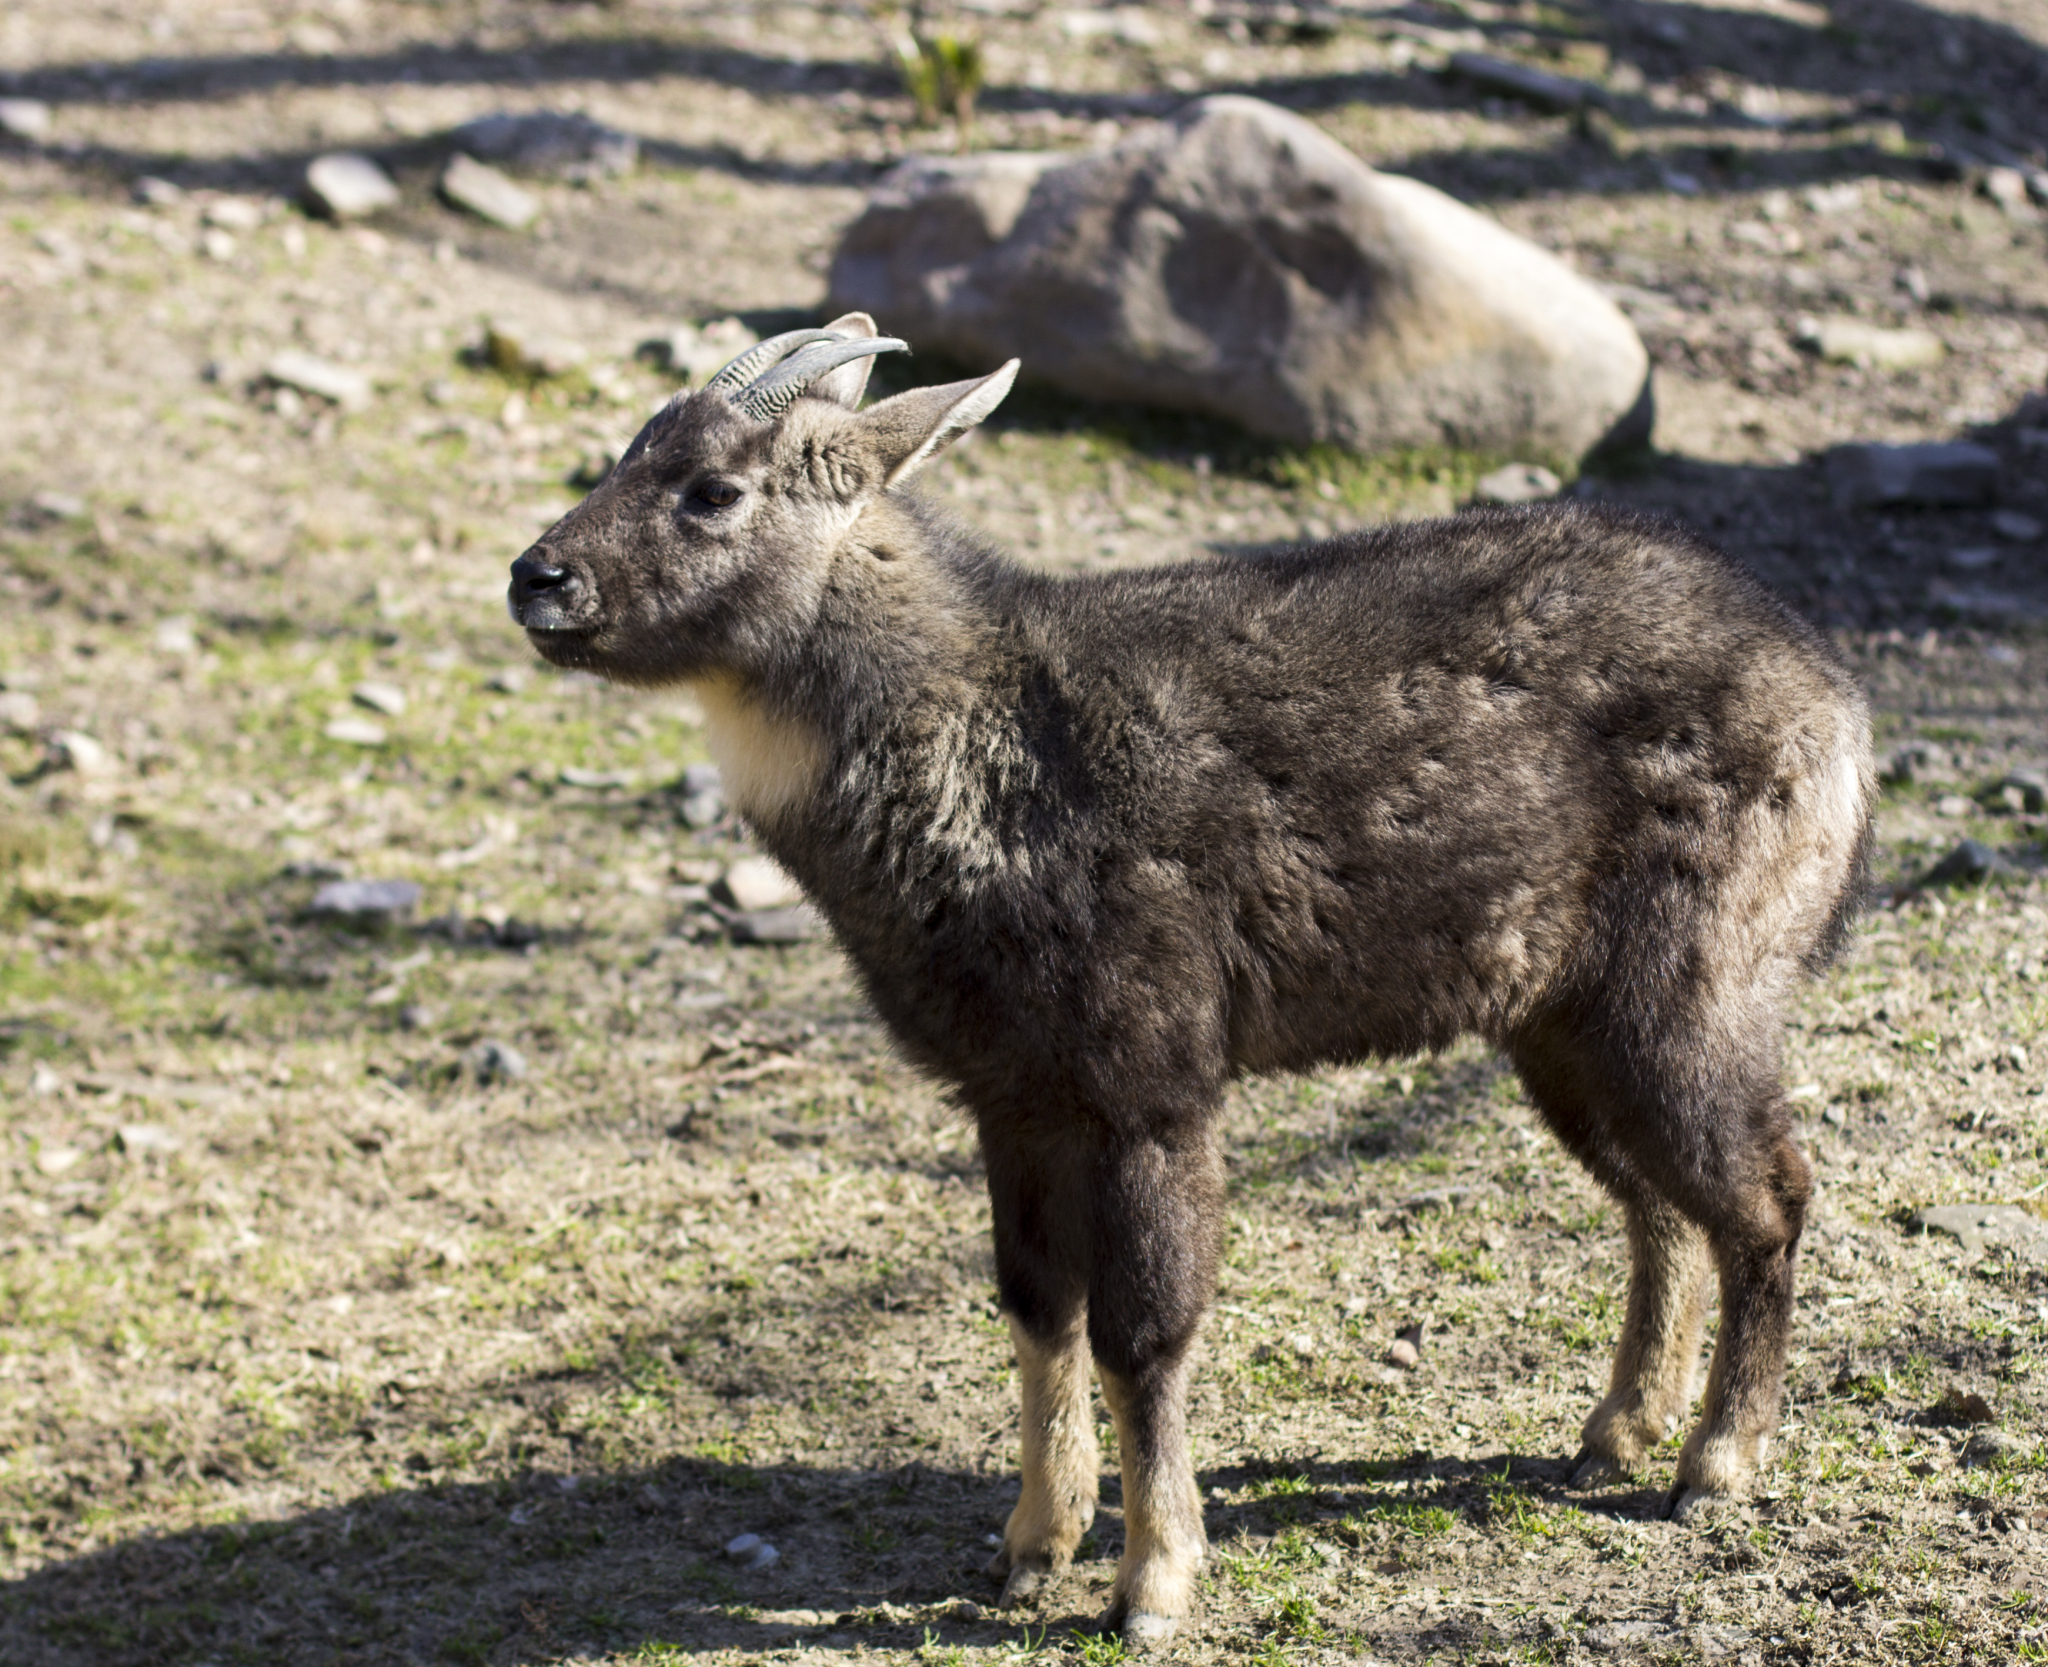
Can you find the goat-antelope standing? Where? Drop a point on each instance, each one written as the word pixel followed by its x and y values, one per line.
pixel 1563 777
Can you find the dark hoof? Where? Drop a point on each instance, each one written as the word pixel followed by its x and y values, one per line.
pixel 1697 1506
pixel 1596 1470
pixel 1024 1584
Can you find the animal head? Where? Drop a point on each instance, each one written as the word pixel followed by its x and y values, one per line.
pixel 709 543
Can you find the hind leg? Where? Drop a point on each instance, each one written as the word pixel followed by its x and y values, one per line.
pixel 1755 1235
pixel 1650 1389
pixel 1157 1242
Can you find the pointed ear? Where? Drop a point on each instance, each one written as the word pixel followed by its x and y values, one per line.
pixel 846 384
pixel 906 432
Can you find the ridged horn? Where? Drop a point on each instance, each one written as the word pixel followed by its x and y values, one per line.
pixel 775 392
pixel 739 372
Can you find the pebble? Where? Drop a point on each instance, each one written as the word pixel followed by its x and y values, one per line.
pixel 1404 1354
pixel 350 389
pixel 571 775
pixel 1851 341
pixel 1974 558
pixel 488 194
pixel 1516 483
pixel 763 926
pixel 73 749
pixel 519 351
pixel 1975 1226
pixel 2032 788
pixel 175 636
pixel 367 899
pixel 58 506
pixel 703 802
pixel 18 710
pixel 146 1137
pixel 1942 472
pixel 2011 524
pixel 511 680
pixel 567 144
pixel 158 193
pixel 2007 187
pixel 1954 806
pixel 25 118
pixel 387 698
pixel 345 186
pixel 1532 86
pixel 1970 861
pixel 759 883
pixel 750 1551
pixel 234 214
pixel 493 1061
pixel 355 732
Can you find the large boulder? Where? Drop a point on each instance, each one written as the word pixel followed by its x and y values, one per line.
pixel 1238 261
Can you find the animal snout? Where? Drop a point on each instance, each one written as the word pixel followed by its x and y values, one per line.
pixel 545 594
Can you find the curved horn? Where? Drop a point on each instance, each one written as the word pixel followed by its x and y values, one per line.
pixel 742 370
pixel 775 392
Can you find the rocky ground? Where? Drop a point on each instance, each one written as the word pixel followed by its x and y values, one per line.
pixel 455 1288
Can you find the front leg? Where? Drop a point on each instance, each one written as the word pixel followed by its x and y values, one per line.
pixel 1164 1542
pixel 1059 1460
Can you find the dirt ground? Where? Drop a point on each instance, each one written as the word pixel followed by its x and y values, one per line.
pixel 327 1336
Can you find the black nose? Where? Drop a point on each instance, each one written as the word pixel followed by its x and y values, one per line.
pixel 535 576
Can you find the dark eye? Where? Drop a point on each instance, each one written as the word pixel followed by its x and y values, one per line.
pixel 717 494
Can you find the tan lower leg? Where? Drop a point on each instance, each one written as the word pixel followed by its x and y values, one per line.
pixel 1059 1458
pixel 1164 1542
pixel 1651 1387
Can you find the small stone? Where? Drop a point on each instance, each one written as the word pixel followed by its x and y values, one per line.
pixel 302 372
pixel 367 899
pixel 55 1160
pixel 1954 806
pixel 1838 198
pixel 1834 1116
pixel 742 1546
pixel 2032 788
pixel 567 145
pixel 146 1137
pixel 355 732
pixel 2011 524
pixel 511 680
pixel 769 926
pixel 1974 1226
pixel 18 710
pixel 518 351
pixel 2007 187
pixel 1516 483
pixel 1532 86
pixel 755 883
pixel 1974 558
pixel 1970 862
pixel 175 636
pixel 158 193
pixel 1404 1354
pixel 72 749
pixel 493 1061
pixel 571 775
pixel 1913 281
pixel 25 118
pixel 1851 341
pixel 387 698
pixel 965 1609
pixel 43 1081
pixel 693 353
pixel 418 1016
pixel 216 244
pixel 58 506
pixel 234 214
pixel 1964 1406
pixel 1934 473
pixel 1301 1345
pixel 345 186
pixel 486 193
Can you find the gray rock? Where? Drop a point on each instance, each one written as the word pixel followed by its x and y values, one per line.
pixel 695 352
pixel 18 711
pixel 1972 860
pixel 1851 341
pixel 510 680
pixel 387 698
pixel 2007 187
pixel 73 749
pixel 1978 1226
pixel 354 731
pixel 562 144
pixel 750 1551
pixel 25 118
pixel 158 193
pixel 146 1137
pixel 801 924
pixel 1516 483
pixel 2021 529
pixel 350 389
pixel 1238 261
pixel 488 194
pixel 492 1061
pixel 2032 788
pixel 755 885
pixel 367 899
pixel 345 186
pixel 574 775
pixel 1532 86
pixel 1934 473
pixel 703 802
